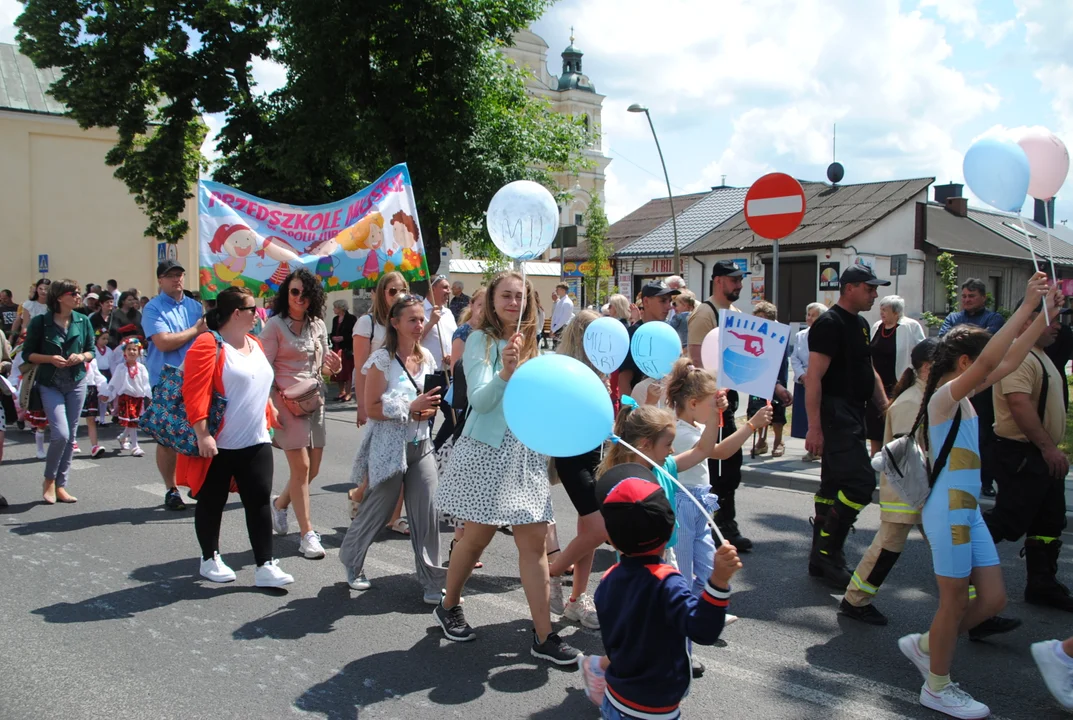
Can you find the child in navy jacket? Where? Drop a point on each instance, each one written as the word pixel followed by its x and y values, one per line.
pixel 646 608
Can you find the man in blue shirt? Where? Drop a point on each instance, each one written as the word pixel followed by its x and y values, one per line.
pixel 973 312
pixel 171 321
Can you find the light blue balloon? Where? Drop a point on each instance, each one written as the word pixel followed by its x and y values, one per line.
pixel 542 390
pixel 997 171
pixel 606 344
pixel 655 347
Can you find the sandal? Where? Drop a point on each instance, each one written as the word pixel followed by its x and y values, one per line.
pixel 779 450
pixel 355 505
pixel 401 526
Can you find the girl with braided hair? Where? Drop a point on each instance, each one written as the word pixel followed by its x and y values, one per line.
pixel 967 360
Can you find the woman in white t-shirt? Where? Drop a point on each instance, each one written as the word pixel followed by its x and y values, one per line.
pixel 396 452
pixel 231 362
pixel 36 305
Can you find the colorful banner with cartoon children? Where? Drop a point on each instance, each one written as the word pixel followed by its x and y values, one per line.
pixel 750 353
pixel 247 241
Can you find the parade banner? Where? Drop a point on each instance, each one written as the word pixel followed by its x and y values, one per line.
pixel 249 242
pixel 751 350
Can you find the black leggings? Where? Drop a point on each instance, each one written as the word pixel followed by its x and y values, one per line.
pixel 252 470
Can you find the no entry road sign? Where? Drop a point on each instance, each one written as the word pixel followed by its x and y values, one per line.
pixel 774 206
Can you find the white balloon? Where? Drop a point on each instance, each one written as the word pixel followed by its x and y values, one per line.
pixel 523 219
pixel 606 344
pixel 709 352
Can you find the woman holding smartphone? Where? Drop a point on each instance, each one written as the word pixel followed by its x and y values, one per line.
pixel 396 452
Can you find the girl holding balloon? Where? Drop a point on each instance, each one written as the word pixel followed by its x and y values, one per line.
pixel 492 479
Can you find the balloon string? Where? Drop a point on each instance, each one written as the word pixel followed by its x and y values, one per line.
pixel 1047 229
pixel 1035 262
pixel 700 506
pixel 521 313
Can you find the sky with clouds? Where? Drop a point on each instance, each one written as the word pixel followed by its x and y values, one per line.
pixel 745 87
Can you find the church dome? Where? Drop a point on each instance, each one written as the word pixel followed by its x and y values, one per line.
pixel 573 78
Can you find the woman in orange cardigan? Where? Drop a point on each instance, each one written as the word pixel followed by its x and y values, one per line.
pixel 239 456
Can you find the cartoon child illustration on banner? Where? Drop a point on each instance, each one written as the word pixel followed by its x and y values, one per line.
pixel 254 243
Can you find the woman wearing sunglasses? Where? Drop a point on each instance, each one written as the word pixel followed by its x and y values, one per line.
pixel 396 450
pixel 295 340
pixel 369 333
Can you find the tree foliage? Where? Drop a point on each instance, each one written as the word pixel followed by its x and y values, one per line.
pixel 369 84
pixel 600 251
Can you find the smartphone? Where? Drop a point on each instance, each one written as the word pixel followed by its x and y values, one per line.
pixel 436 380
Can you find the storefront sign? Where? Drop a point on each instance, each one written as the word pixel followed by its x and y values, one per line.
pixel 657 266
pixel 572 269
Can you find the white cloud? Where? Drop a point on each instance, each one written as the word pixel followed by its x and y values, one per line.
pixel 268 74
pixel 623 198
pixel 9 10
pixel 965 15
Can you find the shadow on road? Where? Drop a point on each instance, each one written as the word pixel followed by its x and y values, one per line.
pixel 164 585
pixel 103 518
pixel 452 674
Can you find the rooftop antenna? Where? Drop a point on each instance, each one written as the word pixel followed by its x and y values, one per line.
pixel 723 182
pixel 835 171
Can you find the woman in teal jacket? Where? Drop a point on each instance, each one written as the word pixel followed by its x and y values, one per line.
pixel 491 478
pixel 60 342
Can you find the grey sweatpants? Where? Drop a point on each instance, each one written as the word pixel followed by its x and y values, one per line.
pixel 419 484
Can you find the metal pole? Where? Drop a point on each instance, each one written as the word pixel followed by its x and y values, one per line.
pixel 670 196
pixel 775 273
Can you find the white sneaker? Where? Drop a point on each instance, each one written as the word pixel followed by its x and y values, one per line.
pixel 953 701
pixel 279 517
pixel 42 453
pixel 910 647
pixel 357 582
pixel 269 575
pixel 216 570
pixel 557 605
pixel 730 619
pixel 77 450
pixel 1057 675
pixel 582 611
pixel 310 546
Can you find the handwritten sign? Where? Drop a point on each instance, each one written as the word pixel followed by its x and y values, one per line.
pixel 606 344
pixel 523 219
pixel 751 351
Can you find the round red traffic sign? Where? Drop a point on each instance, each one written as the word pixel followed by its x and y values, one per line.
pixel 774 206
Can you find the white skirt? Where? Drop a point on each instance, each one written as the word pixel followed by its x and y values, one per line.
pixel 495 486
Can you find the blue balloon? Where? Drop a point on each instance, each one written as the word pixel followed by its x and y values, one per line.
pixel 542 390
pixel 997 171
pixel 655 347
pixel 606 344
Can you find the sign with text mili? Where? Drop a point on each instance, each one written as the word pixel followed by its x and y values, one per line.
pixel 751 350
pixel 249 242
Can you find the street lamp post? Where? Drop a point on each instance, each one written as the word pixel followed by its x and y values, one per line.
pixel 635 108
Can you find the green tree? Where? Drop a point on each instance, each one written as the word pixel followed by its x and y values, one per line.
pixel 369 84
pixel 600 251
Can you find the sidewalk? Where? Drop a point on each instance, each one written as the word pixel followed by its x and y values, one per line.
pixel 792 472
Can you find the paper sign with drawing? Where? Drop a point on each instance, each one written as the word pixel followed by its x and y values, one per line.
pixel 750 352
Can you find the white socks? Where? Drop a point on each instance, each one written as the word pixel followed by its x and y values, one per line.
pixel 39 438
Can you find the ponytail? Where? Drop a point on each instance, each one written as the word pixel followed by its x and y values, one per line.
pixel 635 424
pixel 688 382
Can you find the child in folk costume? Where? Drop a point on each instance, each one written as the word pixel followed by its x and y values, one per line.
pixel 33 412
pixel 648 614
pixel 103 361
pixel 130 388
pixel 96 385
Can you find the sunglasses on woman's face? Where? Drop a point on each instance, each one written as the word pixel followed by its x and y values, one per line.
pixel 247 308
pixel 392 292
pixel 298 292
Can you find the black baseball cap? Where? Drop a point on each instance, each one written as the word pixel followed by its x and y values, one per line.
pixel 637 514
pixel 166 266
pixel 658 288
pixel 727 268
pixel 860 273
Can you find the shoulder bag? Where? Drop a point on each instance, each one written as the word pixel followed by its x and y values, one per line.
pixel 905 464
pixel 164 417
pixel 306 396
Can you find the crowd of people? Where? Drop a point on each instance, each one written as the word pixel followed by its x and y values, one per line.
pixel 986 399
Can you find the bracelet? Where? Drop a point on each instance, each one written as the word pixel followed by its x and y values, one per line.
pixel 751 426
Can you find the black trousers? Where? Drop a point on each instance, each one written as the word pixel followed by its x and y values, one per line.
pixel 251 468
pixel 1030 502
pixel 447 428
pixel 725 482
pixel 845 466
pixel 983 404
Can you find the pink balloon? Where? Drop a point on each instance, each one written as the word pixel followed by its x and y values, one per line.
pixel 709 352
pixel 1048 160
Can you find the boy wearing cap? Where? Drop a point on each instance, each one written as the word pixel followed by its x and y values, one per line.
pixel 841 380
pixel 656 298
pixel 646 608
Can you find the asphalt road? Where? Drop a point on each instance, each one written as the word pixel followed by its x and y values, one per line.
pixel 104 616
